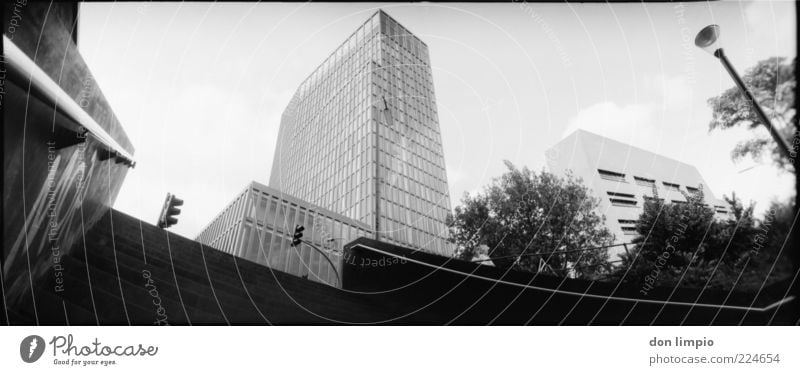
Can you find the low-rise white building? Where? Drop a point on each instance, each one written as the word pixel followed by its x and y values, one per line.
pixel 258 225
pixel 623 176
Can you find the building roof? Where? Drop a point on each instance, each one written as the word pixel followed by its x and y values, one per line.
pixel 290 198
pixel 600 152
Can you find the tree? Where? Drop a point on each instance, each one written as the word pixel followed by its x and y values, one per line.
pixel 768 260
pixel 772 83
pixel 684 244
pixel 736 233
pixel 671 238
pixel 528 219
pixel 777 223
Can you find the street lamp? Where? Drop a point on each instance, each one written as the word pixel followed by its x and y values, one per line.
pixel 708 40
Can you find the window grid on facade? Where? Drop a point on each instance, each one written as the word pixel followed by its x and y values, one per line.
pixel 259 224
pixel 334 136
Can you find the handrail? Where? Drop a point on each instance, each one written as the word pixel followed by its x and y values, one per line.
pixel 554 252
pixel 21 65
pixel 579 294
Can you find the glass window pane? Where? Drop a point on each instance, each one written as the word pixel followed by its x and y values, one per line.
pixel 262 248
pixel 293 265
pixel 332 279
pixel 244 240
pixel 282 256
pixel 305 260
pixel 324 271
pixel 316 232
pixel 337 231
pixel 280 220
pixel 290 220
pixel 274 250
pixel 271 213
pixel 313 265
pixel 261 209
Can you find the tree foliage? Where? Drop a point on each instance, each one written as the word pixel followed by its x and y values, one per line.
pixel 684 244
pixel 772 83
pixel 671 237
pixel 527 219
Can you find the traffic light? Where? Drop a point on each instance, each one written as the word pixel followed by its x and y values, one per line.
pixel 168 212
pixel 298 234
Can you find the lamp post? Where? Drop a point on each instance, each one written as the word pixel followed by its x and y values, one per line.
pixel 708 40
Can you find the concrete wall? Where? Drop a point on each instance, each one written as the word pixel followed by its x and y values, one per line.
pixel 430 289
pixel 55 187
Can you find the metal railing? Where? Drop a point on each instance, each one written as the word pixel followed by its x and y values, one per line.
pixel 625 245
pixel 545 266
pixel 581 294
pixel 41 85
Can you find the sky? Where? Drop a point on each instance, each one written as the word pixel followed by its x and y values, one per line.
pixel 200 87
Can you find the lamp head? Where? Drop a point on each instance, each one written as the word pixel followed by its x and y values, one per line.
pixel 708 40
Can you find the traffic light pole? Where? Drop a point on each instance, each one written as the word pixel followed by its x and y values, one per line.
pixel 335 271
pixel 162 216
pixel 168 211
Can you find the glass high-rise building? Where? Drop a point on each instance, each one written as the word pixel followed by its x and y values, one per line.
pixel 361 138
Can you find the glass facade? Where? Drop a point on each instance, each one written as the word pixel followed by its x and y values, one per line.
pixel 361 138
pixel 258 226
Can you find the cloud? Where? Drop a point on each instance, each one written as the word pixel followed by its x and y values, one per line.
pixel 675 91
pixel 773 26
pixel 210 141
pixel 626 124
